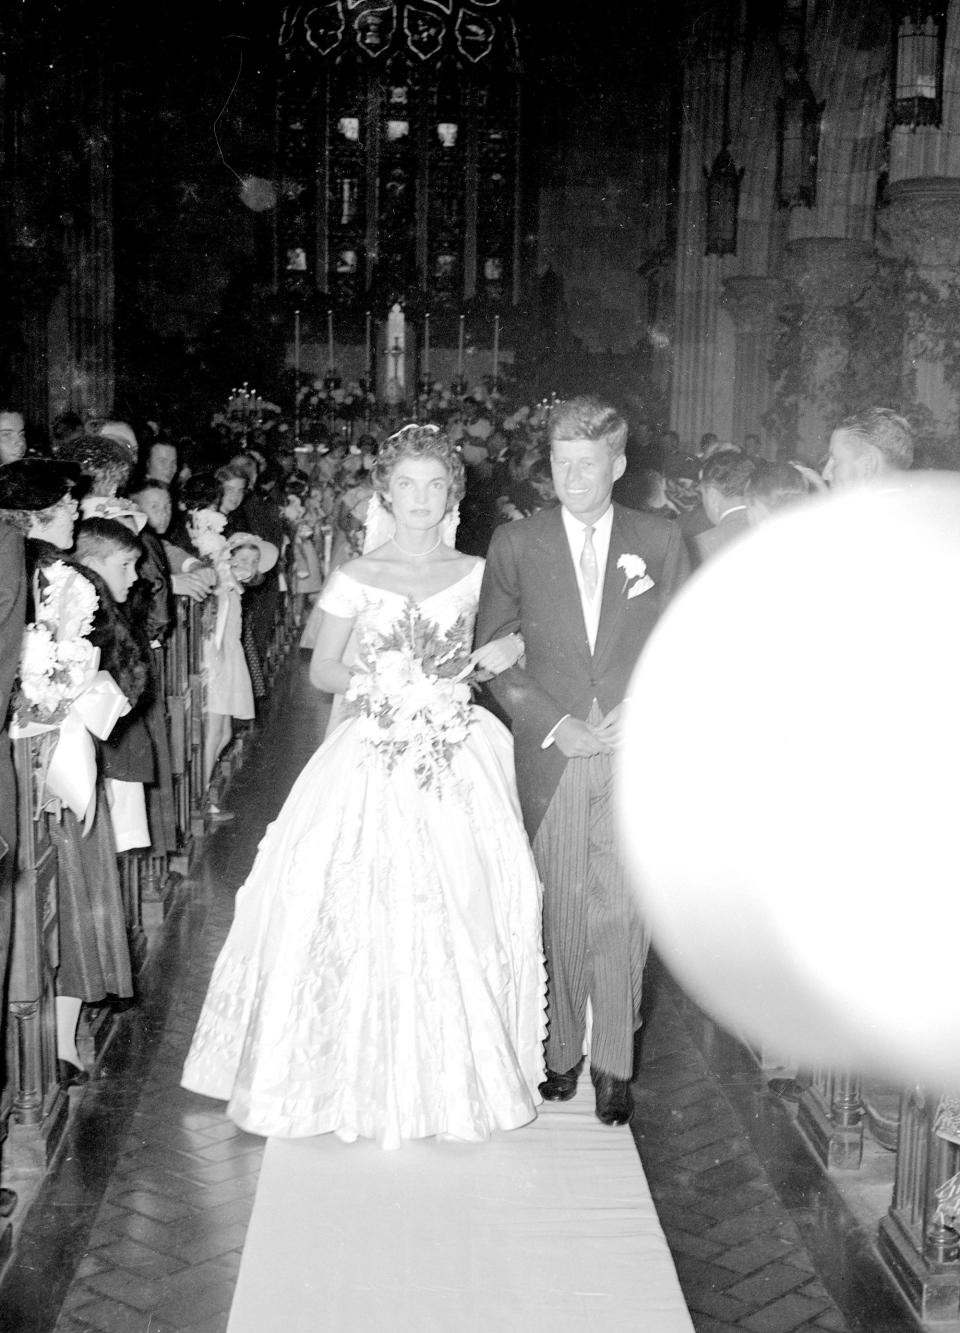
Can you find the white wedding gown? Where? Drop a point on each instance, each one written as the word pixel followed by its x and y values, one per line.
pixel 383 977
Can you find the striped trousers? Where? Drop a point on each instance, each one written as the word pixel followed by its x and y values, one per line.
pixel 593 938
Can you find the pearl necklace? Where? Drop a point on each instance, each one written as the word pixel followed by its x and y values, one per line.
pixel 417 555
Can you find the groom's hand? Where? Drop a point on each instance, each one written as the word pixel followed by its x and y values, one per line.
pixel 576 739
pixel 610 730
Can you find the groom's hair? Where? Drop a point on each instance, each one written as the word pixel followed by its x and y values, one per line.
pixel 587 418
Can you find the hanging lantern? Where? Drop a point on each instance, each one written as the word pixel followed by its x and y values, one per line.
pixel 723 202
pixel 798 144
pixel 921 32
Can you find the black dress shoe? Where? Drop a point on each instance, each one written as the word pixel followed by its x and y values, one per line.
pixel 560 1087
pixel 614 1098
pixel 8 1201
pixel 70 1075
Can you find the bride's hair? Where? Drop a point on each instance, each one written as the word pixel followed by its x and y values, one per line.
pixel 419 441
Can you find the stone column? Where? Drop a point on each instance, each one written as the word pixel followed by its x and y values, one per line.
pixel 826 274
pixel 752 302
pixel 921 225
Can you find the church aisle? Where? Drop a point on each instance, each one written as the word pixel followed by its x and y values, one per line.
pixel 142 1223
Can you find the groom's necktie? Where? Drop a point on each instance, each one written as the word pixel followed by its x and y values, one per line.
pixel 588 563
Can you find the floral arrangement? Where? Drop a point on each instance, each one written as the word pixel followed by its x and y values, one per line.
pixel 206 529
pixel 57 660
pixel 407 688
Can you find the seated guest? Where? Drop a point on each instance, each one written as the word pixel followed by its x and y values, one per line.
pixel 723 485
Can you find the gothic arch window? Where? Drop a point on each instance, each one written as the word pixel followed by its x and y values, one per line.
pixel 397 141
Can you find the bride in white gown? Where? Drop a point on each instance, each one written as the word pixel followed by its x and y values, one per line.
pixel 383 977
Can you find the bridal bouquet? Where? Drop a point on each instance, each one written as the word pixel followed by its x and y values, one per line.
pixel 57 660
pixel 406 690
pixel 62 697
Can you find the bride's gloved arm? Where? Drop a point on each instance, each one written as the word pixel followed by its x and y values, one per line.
pixel 327 669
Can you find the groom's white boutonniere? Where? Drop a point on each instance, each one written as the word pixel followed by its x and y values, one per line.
pixel 635 575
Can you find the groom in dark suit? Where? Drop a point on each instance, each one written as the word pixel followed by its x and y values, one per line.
pixel 584 583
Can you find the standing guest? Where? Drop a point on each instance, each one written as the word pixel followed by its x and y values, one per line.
pixel 13 437
pixel 723 489
pixel 105 462
pixel 775 486
pixel 584 584
pixel 260 515
pixel 151 604
pixel 109 551
pixel 229 691
pixel 94 957
pixel 67 427
pixel 298 549
pixel 162 462
pixel 234 482
pixel 870 446
pixel 34 496
pixel 124 433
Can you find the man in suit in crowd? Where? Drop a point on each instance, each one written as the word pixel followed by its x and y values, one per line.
pixel 867 447
pixel 584 583
pixel 724 478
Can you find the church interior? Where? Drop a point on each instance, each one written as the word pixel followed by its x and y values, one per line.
pixel 295 226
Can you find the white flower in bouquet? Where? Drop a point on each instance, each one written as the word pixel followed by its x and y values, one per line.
pixel 206 529
pixel 413 710
pixel 69 602
pixel 57 661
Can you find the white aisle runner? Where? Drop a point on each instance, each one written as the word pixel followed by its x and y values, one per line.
pixel 550 1226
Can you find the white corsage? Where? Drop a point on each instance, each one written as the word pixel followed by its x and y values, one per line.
pixel 636 580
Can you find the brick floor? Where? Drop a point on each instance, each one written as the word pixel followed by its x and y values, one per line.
pixel 155 1242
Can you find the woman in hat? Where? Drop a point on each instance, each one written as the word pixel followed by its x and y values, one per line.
pixel 35 496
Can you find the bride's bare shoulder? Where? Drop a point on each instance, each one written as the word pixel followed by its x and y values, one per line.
pixel 364 567
pixel 468 563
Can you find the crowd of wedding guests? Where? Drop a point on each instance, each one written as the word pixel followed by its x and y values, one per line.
pixel 146 522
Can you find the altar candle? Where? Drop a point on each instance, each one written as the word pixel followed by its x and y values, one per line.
pixel 496 345
pixel 460 348
pixel 426 347
pixel 366 355
pixel 330 339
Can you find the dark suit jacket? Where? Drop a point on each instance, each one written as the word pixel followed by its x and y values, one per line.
pixel 530 585
pixel 730 527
